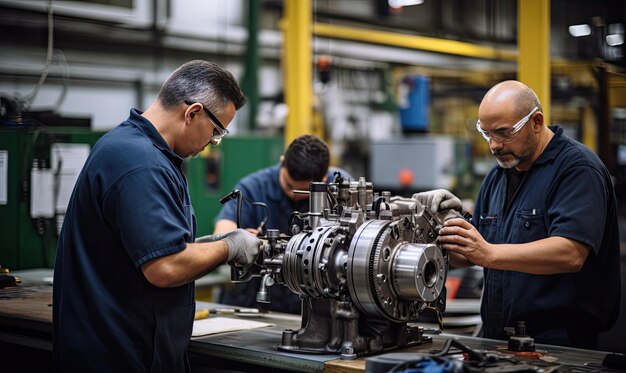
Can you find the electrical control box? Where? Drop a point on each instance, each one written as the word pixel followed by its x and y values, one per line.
pixel 414 163
pixel 36 178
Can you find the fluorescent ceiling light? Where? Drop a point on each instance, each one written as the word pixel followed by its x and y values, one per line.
pixel 615 39
pixel 579 30
pixel 401 3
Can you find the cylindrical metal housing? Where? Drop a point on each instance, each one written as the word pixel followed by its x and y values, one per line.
pixel 317 202
pixel 418 272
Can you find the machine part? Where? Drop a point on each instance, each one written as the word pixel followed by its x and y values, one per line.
pixel 264 295
pixel 410 362
pixel 314 262
pixel 8 280
pixel 364 268
pixel 615 361
pixel 477 360
pixel 317 202
pixel 236 194
pixel 520 341
pixel 390 277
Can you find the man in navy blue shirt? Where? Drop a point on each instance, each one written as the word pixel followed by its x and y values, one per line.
pixel 306 160
pixel 126 259
pixel 544 227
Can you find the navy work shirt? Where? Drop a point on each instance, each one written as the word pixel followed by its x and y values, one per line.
pixel 130 205
pixel 568 193
pixel 264 186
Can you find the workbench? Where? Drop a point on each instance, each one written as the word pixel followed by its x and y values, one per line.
pixel 255 350
pixel 26 321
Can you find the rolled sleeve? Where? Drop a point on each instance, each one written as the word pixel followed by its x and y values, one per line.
pixel 578 209
pixel 147 209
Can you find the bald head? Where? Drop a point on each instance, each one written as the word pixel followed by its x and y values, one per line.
pixel 506 98
pixel 505 113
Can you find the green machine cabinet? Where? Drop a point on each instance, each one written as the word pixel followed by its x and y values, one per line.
pixel 25 242
pixel 31 243
pixel 215 172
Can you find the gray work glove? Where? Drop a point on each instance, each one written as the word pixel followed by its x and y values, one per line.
pixel 438 200
pixel 243 247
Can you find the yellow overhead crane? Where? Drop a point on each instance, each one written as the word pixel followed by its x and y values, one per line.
pixel 298 29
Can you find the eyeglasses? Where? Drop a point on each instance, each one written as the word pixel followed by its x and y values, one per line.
pixel 506 135
pixel 219 130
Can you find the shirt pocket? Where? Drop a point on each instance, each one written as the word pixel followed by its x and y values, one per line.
pixel 487 226
pixel 528 225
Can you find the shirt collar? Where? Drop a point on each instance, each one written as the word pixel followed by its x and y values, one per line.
pixel 554 146
pixel 147 128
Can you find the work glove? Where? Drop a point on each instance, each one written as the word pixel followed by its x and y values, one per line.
pixel 438 200
pixel 243 247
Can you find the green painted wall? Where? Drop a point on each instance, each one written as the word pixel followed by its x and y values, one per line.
pixel 211 176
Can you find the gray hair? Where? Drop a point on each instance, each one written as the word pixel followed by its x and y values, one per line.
pixel 204 82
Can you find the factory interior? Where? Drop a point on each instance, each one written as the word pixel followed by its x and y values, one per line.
pixel 393 87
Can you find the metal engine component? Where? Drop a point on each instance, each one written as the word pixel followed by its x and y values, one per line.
pixel 518 339
pixel 365 266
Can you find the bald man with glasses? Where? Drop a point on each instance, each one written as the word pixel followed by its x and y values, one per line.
pixel 544 227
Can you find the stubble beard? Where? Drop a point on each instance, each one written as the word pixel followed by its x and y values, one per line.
pixel 530 145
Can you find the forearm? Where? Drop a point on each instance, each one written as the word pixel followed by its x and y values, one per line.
pixel 196 260
pixel 547 256
pixel 224 225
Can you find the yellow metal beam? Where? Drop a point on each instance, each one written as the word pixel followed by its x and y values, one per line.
pixel 297 54
pixel 533 45
pixel 413 42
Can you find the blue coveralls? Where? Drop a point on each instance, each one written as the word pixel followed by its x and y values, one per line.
pixel 130 205
pixel 568 193
pixel 263 186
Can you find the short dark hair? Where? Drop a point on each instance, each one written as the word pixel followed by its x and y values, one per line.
pixel 204 82
pixel 307 158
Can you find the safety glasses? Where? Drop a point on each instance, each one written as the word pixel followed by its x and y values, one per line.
pixel 504 136
pixel 219 130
